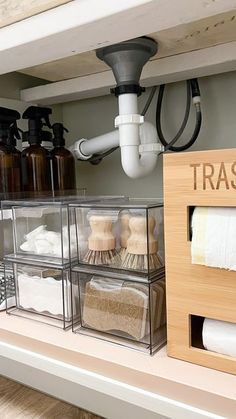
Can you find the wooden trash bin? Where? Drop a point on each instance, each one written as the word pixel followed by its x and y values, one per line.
pixel 204 178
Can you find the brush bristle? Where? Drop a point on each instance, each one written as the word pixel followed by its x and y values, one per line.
pixel 105 257
pixel 122 253
pixel 140 262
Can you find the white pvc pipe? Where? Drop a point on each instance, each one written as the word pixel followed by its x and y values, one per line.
pixel 128 104
pixel 134 164
pixel 147 135
pixel 130 135
pixel 101 143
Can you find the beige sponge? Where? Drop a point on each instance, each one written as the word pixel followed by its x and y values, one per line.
pixel 122 307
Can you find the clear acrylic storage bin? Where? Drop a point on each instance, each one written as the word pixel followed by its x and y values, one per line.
pixel 126 235
pixel 43 294
pixel 6 277
pixel 127 312
pixel 6 244
pixel 41 231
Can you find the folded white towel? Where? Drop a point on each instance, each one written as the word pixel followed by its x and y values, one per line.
pixel 214 237
pixel 219 336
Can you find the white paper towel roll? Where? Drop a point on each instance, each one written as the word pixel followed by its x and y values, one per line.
pixel 219 336
pixel 214 237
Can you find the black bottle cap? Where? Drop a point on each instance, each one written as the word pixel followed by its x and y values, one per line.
pixel 8 117
pixel 58 131
pixel 38 117
pixel 13 135
pixel 44 136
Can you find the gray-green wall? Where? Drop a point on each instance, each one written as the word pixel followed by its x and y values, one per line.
pixel 93 117
pixel 12 83
pixel 10 87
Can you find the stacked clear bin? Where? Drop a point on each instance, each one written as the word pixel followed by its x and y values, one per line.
pixel 119 274
pixel 6 275
pixel 43 250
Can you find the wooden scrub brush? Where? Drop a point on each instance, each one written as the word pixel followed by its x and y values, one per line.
pixel 101 242
pixel 141 243
pixel 124 234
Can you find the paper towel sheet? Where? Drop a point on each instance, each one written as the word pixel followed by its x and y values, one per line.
pixel 43 294
pixel 214 237
pixel 219 336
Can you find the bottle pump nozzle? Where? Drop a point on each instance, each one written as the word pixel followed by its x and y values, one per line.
pixel 38 117
pixel 58 131
pixel 14 134
pixel 8 118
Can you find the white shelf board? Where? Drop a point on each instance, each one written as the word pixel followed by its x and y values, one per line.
pixel 85 25
pixel 110 380
pixel 199 63
pixel 186 37
pixel 94 392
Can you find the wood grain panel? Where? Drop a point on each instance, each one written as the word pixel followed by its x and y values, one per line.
pixel 194 289
pixel 17 401
pixel 187 37
pixel 13 11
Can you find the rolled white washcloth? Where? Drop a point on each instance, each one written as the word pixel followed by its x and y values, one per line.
pixel 214 237
pixel 219 336
pixel 34 233
pixel 44 242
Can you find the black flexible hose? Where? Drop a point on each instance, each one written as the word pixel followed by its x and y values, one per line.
pixel 149 100
pixel 192 139
pixel 97 158
pixel 158 116
pixel 192 87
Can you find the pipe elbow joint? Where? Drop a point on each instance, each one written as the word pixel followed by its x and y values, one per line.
pixel 136 166
pixel 76 150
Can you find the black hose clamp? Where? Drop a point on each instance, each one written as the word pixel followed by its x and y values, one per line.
pixel 127 88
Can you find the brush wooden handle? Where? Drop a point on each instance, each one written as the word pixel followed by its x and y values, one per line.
pixel 125 230
pixel 101 238
pixel 137 243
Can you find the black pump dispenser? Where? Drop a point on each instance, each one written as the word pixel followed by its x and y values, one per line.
pixel 8 117
pixel 10 164
pixel 13 135
pixel 35 159
pixel 38 118
pixel 63 162
pixel 58 132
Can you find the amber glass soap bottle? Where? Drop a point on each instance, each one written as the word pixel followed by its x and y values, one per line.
pixel 63 162
pixel 10 163
pixel 36 177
